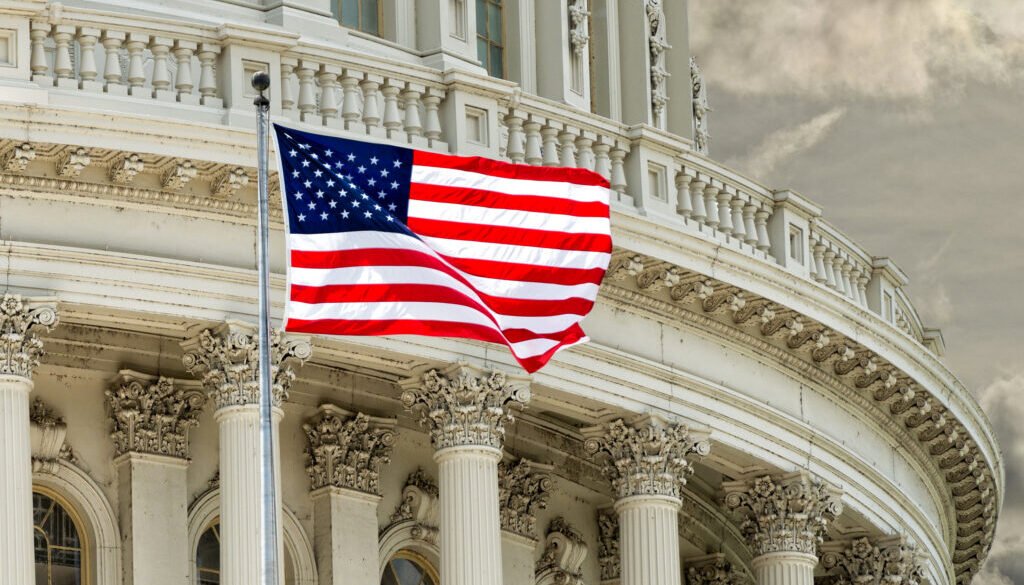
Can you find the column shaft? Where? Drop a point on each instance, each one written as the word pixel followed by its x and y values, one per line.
pixel 470 526
pixel 153 496
pixel 649 540
pixel 784 568
pixel 16 560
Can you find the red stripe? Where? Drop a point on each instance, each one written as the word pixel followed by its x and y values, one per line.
pixel 495 200
pixel 506 170
pixel 433 293
pixel 481 268
pixel 492 234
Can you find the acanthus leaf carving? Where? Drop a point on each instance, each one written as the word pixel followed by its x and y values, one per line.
pixel 419 505
pixel 16 158
pixel 230 181
pixel 523 490
pixel 72 162
pixel 152 415
pixel 866 562
pixel 657 40
pixel 125 168
pixel 608 545
pixel 713 570
pixel 347 451
pixel 564 553
pixel 179 175
pixel 699 95
pixel 48 438
pixel 20 320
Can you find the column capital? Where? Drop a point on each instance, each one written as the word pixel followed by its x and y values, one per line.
pixel 648 457
pixel 20 320
pixel 152 414
pixel 463 405
pixel 712 569
pixel 523 490
pixel 226 359
pixel 873 562
pixel 786 513
pixel 346 450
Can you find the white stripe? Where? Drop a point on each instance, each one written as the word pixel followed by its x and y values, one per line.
pixel 397 275
pixel 508 217
pixel 480 181
pixel 455 248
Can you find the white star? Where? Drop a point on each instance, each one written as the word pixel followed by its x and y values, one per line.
pixel 298 195
pixel 373 160
pixel 312 205
pixel 339 164
pixel 328 153
pixel 381 194
pixel 368 214
pixel 391 218
pixel 392 207
pixel 394 184
pixel 384 173
pixel 330 182
pixel 377 207
pixel 355 203
pixel 319 194
pixel 349 177
pixel 332 203
pixel 308 184
pixel 293 152
pixel 398 164
pixel 343 193
pixel 313 155
pixel 371 182
pixel 318 173
pixel 361 169
pixel 302 217
pixel 323 215
pixel 295 174
pixel 344 215
pixel 365 196
pixel 303 146
pixel 351 157
pixel 305 163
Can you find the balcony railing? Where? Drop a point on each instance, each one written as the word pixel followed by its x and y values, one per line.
pixel 196 72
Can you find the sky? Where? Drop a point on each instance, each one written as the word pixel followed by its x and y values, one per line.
pixel 904 119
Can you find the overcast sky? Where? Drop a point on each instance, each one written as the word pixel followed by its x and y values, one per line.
pixel 904 119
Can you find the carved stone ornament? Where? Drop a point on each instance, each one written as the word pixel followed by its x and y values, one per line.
pixel 226 359
pixel 648 457
pixel 179 175
pixel 125 168
pixel 20 319
pixel 230 181
pixel 463 405
pixel 152 415
pixel 48 437
pixel 701 136
pixel 522 492
pixel 712 570
pixel 783 514
pixel 608 545
pixel 657 40
pixel 564 553
pixel 16 158
pixel 72 162
pixel 419 505
pixel 883 562
pixel 579 29
pixel 346 450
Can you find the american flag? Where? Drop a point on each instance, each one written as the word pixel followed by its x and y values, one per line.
pixel 385 240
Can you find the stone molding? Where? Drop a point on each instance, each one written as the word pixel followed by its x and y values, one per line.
pixel 523 490
pixel 712 569
pixel 152 414
pixel 608 545
pixel 347 450
pixel 864 561
pixel 48 438
pixel 787 513
pixel 463 405
pixel 226 359
pixel 419 506
pixel 20 321
pixel 649 456
pixel 564 553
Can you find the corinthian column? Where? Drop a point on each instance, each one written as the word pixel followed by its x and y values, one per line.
pixel 151 419
pixel 784 519
pixel 346 451
pixel 227 360
pixel 466 411
pixel 647 463
pixel 20 349
pixel 872 562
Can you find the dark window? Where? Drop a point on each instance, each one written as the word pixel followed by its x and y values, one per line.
pixel 490 36
pixel 407 568
pixel 361 15
pixel 58 547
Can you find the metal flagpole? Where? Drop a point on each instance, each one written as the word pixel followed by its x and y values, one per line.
pixel 268 491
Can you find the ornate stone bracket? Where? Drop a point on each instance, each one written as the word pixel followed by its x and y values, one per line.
pixel 564 553
pixel 152 415
pixel 712 569
pixel 464 405
pixel 16 158
pixel 787 513
pixel 48 432
pixel 420 506
pixel 701 135
pixel 608 546
pixel 226 359
pixel 523 490
pixel 20 320
pixel 650 456
pixel 347 450
pixel 863 561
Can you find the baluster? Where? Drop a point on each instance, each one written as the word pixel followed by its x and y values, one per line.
pixel 699 214
pixel 549 136
pixel 371 107
pixel 862 288
pixel 533 155
pixel 87 39
pixel 819 263
pixel 724 219
pixel 160 47
pixel 183 53
pixel 602 162
pixel 837 270
pixel 748 223
pixel 40 67
pixel 413 126
pixel 711 204
pixel 326 78
pixel 351 108
pixel 307 90
pixel 515 149
pixel 618 178
pixel 136 73
pixel 62 68
pixel 684 206
pixel 432 126
pixel 288 66
pixel 830 275
pixel 847 283
pixel 854 280
pixel 585 151
pixel 392 115
pixel 738 229
pixel 567 150
pixel 208 76
pixel 761 221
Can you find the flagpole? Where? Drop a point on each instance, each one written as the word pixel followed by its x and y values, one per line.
pixel 269 568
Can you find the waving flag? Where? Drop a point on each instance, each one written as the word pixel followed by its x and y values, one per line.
pixel 386 240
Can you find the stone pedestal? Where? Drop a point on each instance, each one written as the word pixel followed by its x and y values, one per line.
pixel 345 537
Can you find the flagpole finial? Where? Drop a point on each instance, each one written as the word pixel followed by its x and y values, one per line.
pixel 261 82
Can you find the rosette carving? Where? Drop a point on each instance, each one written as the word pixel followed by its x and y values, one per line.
pixel 866 562
pixel 20 320
pixel 226 359
pixel 152 415
pixel 463 405
pixel 346 450
pixel 649 457
pixel 783 514
pixel 522 492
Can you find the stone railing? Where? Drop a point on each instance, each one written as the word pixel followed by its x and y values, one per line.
pixel 199 73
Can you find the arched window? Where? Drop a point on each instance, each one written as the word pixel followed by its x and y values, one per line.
pixel 208 558
pixel 409 568
pixel 59 550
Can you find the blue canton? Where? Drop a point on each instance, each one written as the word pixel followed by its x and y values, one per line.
pixel 339 185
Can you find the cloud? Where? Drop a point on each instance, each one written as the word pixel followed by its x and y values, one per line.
pixel 783 144
pixel 855 49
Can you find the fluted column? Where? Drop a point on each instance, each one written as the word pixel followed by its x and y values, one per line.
pixel 523 490
pixel 466 410
pixel 647 463
pixel 20 350
pixel 227 360
pixel 873 561
pixel 151 418
pixel 345 452
pixel 784 519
